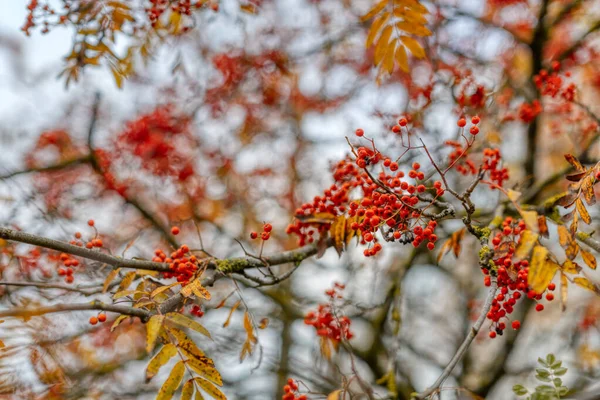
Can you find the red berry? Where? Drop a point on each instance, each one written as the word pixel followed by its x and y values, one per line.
pixel 93 320
pixel 69 279
pixel 475 120
pixel 91 222
pixel 516 325
pixel 175 230
pixel 430 245
pixel 492 334
pixel 549 296
pixel 552 286
pixel 539 307
pixel 102 317
pixel 265 236
pixel 368 237
pixel 474 130
pixel 402 122
pixel 267 227
pixel 461 122
pixel 359 132
pixel 253 235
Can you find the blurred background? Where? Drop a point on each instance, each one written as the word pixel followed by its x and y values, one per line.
pixel 247 112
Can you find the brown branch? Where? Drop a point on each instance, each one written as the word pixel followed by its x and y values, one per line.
pixel 87 291
pixel 65 164
pixel 115 262
pixel 593 243
pixel 93 305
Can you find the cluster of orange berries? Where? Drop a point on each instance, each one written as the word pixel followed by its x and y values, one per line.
pixel 69 261
pixel 100 318
pixel 474 130
pixel 551 84
pixel 266 233
pixel 511 277
pixel 183 7
pixel 197 311
pixel 324 321
pixel 491 162
pixel 290 391
pixel 182 264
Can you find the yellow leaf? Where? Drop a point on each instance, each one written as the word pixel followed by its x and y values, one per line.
pixel 206 371
pixel 564 283
pixel 172 383
pixel 325 348
pixel 248 327
pixel 528 240
pixel 123 293
pixel 587 188
pixel 338 232
pixel 127 280
pixel 571 159
pixel 117 322
pixel 188 390
pixel 2 344
pixel 117 75
pixel 152 330
pixel 388 60
pixel 414 46
pixel 401 58
pixel 414 29
pixel 182 320
pixel 335 395
pixel 210 389
pixel 382 44
pixel 161 289
pixel 374 11
pixel 589 259
pixel 583 212
pixel 160 359
pixel 531 220
pixel 375 27
pixel 564 237
pixel 586 284
pixel 541 271
pixel 513 195
pixel 109 278
pixel 570 267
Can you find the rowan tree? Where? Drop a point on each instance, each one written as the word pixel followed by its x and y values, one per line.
pixel 370 199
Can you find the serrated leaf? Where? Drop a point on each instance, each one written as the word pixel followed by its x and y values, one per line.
pixel 375 27
pixel 414 46
pixel 164 288
pixel 583 212
pixel 160 359
pixel 588 258
pixel 187 322
pixel 197 289
pixel 210 389
pixel 401 58
pixel 374 11
pixel 152 331
pixel 188 390
pixel 109 278
pixel 528 240
pixel 168 388
pixel 541 271
pixel 206 371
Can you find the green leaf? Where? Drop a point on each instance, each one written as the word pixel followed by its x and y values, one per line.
pixel 560 371
pixel 550 359
pixel 542 372
pixel 557 382
pixel 520 390
pixel 556 365
pixel 542 362
pixel 563 390
pixel 545 389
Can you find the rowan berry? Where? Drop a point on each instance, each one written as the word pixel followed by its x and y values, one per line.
pixel 402 122
pixel 175 230
pixel 102 317
pixel 549 296
pixel 265 236
pixel 539 307
pixel 359 132
pixel 461 122
pixel 78 235
pixel 91 222
pixel 474 130
pixel 475 120
pixel 430 245
pixel 516 325
pixel 69 279
pixel 267 227
pixel 492 334
pixel 368 237
pixel 552 286
pixel 93 320
pixel 416 166
pixel 253 235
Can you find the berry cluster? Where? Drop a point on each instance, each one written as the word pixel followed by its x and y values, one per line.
pixel 266 233
pixel 100 318
pixel 182 7
pixel 511 277
pixel 290 391
pixel 182 263
pixel 326 323
pixel 197 311
pixel 491 161
pixel 551 84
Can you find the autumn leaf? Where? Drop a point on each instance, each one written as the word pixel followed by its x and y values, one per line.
pixel 583 213
pixel 164 288
pixel 452 244
pixel 374 11
pixel 564 284
pixel 586 284
pixel 188 347
pixel 127 280
pixel 210 389
pixel 160 359
pixel 187 322
pixel 197 289
pixel 168 388
pixel 205 370
pixel 338 233
pixel 109 278
pixel 571 159
pixel 541 271
pixel 589 259
pixel 570 267
pixel 414 46
pixel 152 331
pixel 228 320
pixel 118 321
pixel 335 395
pixel 531 220
pixel 528 240
pixel 188 390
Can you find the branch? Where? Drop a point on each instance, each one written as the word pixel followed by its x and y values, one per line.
pixel 585 238
pixel 87 291
pixel 116 262
pixel 464 346
pixel 65 164
pixel 93 305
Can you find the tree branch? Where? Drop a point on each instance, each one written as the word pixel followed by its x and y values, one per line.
pixel 93 305
pixel 464 346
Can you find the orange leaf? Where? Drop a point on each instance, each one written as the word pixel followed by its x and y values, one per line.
pixel 589 259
